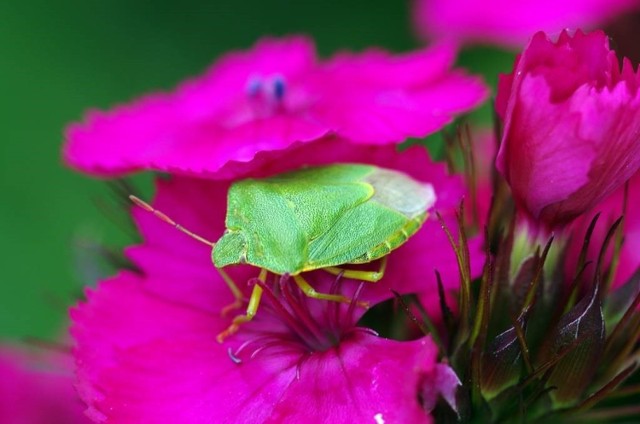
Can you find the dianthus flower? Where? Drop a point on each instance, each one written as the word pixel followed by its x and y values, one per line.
pixel 571 119
pixel 269 99
pixel 37 388
pixel 511 23
pixel 145 342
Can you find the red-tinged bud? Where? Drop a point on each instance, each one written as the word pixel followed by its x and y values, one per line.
pixel 571 119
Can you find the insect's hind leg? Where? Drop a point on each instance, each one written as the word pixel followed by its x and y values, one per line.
pixel 252 308
pixel 311 292
pixel 369 276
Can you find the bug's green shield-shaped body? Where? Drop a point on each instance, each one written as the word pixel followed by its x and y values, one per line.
pixel 320 217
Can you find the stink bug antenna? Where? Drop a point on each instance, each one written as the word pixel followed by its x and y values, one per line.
pixel 147 207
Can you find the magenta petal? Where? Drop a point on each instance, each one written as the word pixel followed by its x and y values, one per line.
pixel 410 70
pixel 37 388
pixel 366 377
pixel 142 358
pixel 444 382
pixel 196 382
pixel 103 329
pixel 394 98
pixel 191 381
pixel 559 160
pixel 167 346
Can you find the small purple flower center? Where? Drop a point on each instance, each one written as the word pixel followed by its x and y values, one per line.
pixel 290 320
pixel 267 90
pixel 264 97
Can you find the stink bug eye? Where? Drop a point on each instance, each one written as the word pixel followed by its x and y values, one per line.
pixel 326 217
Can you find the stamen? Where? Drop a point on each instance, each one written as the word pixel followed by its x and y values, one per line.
pixel 284 314
pixel 354 301
pixel 233 357
pixel 299 366
pixel 244 345
pixel 264 346
pixel 364 330
pixel 302 329
pixel 254 86
pixel 302 313
pixel 335 307
pixel 279 88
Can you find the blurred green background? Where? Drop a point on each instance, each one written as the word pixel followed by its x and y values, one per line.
pixel 60 58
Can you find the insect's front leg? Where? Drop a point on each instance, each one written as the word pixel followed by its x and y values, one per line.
pixel 237 293
pixel 252 308
pixel 369 276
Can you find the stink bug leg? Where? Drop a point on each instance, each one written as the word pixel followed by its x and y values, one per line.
pixel 311 292
pixel 237 294
pixel 368 276
pixel 252 308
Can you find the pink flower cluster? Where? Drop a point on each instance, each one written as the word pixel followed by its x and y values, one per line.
pixel 145 341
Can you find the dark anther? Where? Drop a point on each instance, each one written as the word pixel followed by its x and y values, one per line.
pixel 233 357
pixel 278 88
pixel 254 85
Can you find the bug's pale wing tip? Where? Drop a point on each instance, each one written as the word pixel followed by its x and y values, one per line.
pixel 429 195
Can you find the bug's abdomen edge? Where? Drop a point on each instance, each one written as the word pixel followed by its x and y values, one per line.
pixel 395 240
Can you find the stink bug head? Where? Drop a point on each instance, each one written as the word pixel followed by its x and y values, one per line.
pixel 230 249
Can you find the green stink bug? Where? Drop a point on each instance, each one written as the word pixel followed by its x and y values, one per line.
pixel 313 218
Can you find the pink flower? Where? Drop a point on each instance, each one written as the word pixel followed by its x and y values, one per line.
pixel 146 349
pixel 511 23
pixel 269 99
pixel 146 358
pixel 571 125
pixel 37 389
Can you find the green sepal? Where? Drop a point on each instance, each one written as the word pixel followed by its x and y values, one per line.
pixel 501 363
pixel 580 331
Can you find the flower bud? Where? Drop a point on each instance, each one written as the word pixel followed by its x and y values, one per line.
pixel 571 119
